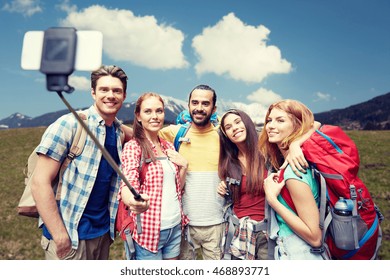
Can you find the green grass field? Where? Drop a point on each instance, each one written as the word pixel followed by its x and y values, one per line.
pixel 20 237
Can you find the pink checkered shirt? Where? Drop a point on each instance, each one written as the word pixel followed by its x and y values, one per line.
pixel 152 186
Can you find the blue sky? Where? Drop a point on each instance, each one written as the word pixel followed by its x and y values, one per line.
pixel 327 54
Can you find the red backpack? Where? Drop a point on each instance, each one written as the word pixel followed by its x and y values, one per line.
pixel 123 219
pixel 355 232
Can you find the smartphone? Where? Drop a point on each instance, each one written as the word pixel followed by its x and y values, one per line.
pixel 87 56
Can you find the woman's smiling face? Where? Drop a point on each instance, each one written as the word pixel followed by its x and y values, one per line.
pixel 234 128
pixel 279 126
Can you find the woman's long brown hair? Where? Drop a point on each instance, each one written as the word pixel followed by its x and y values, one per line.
pixel 229 164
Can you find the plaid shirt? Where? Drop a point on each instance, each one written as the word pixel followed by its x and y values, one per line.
pixel 79 178
pixel 152 186
pixel 244 240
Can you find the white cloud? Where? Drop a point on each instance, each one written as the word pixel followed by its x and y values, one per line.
pixel 140 40
pixel 264 96
pixel 25 7
pixel 67 7
pixel 260 100
pixel 255 110
pixel 233 48
pixel 320 96
pixel 80 83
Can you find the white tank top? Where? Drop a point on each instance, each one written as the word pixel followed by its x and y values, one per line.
pixel 170 207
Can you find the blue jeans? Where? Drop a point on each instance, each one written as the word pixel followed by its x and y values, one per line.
pixel 293 247
pixel 168 246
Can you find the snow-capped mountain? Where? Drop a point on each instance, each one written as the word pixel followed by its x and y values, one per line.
pixel 14 121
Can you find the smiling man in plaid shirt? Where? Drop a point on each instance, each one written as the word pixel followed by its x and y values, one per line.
pixel 81 225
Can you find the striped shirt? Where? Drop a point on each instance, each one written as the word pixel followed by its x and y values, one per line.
pixel 79 178
pixel 152 186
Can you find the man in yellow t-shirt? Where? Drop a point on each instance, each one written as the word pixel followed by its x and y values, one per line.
pixel 201 203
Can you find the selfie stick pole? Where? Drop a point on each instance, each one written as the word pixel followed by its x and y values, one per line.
pixel 106 155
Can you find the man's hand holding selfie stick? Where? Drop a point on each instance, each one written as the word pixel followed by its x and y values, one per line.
pixel 57 52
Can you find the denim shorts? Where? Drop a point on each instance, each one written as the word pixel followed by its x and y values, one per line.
pixel 168 246
pixel 292 247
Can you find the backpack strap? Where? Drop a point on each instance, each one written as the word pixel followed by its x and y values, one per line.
pixel 325 220
pixel 75 150
pixel 270 220
pixel 379 240
pixel 122 136
pixel 180 135
pixel 129 245
pixel 232 221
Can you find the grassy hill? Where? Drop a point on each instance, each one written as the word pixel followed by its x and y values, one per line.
pixel 20 237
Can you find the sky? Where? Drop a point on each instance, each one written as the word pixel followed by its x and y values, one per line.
pixel 327 54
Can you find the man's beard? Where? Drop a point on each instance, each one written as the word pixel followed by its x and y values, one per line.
pixel 204 122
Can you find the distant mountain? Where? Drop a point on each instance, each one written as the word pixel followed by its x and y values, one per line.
pixel 15 120
pixel 373 114
pixel 173 107
pixel 369 115
pixel 18 120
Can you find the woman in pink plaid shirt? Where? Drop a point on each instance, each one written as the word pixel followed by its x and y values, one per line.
pixel 161 186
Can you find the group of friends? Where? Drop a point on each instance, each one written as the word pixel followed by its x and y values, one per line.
pixel 184 193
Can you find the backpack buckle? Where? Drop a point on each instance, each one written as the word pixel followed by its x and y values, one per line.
pixel 230 182
pixel 185 139
pixel 318 250
pixel 352 190
pixel 71 156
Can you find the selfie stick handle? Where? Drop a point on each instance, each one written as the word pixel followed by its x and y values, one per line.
pixel 106 155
